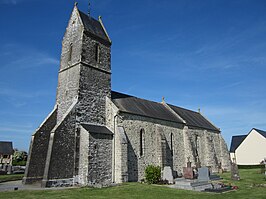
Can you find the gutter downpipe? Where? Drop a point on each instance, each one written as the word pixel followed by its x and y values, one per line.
pixel 114 149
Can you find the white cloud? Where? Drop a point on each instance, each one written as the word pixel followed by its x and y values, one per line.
pixel 26 57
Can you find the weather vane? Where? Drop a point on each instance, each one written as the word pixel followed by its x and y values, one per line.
pixel 89 8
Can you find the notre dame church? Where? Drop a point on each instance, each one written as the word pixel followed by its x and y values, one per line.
pixel 96 136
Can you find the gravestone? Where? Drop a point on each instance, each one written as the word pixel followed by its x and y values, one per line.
pixel 203 174
pixel 9 169
pixel 188 171
pixel 168 174
pixel 234 172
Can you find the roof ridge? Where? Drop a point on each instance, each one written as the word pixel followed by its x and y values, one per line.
pixel 138 98
pixel 259 130
pixel 238 135
pixel 184 108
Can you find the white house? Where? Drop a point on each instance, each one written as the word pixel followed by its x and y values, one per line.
pixel 249 149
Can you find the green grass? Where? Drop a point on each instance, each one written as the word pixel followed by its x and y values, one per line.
pixel 12 177
pixel 249 187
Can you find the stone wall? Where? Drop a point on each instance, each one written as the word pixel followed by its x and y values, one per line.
pixel 68 77
pixel 67 90
pixel 208 146
pixel 38 149
pixel 169 144
pixel 100 159
pixel 120 163
pixel 137 163
pixel 62 151
pixel 88 55
pixel 95 85
pixel 82 177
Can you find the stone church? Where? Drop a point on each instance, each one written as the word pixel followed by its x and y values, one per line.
pixel 96 136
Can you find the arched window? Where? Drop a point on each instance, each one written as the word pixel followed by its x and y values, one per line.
pixel 141 142
pixel 171 143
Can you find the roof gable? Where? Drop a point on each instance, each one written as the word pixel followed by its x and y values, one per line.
pixel 263 133
pixel 236 141
pixel 94 27
pixel 6 148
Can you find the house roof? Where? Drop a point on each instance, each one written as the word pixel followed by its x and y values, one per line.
pixel 96 129
pixel 263 133
pixel 6 148
pixel 134 105
pixel 93 26
pixel 193 118
pixel 236 141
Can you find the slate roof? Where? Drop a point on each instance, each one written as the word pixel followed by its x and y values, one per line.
pixel 97 129
pixel 93 26
pixel 236 141
pixel 193 118
pixel 263 133
pixel 137 106
pixel 6 148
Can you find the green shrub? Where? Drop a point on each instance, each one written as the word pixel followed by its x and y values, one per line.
pixel 19 163
pixel 153 174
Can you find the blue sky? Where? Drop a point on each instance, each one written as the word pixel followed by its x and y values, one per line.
pixel 197 54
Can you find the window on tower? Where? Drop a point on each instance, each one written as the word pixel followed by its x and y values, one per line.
pixel 97 53
pixel 70 52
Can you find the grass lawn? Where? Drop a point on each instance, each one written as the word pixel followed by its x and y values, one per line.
pixel 5 178
pixel 249 187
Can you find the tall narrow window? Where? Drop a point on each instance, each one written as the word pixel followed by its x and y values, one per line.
pixel 70 52
pixel 171 143
pixel 141 142
pixel 97 53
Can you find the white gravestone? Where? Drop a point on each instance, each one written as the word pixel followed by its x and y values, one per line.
pixel 168 174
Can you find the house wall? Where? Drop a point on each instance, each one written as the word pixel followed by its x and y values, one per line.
pixel 252 150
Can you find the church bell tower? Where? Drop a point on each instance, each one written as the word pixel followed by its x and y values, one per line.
pixel 85 68
pixel 84 82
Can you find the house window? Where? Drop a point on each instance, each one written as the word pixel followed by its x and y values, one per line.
pixel 141 143
pixel 171 144
pixel 97 53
